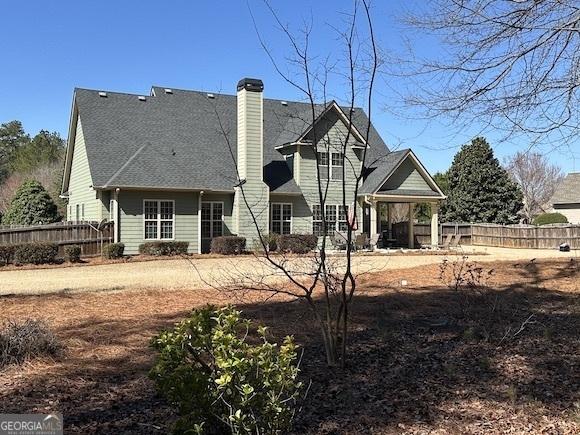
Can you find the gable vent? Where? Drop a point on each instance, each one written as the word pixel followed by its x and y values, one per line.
pixel 211 96
pixel 142 98
pixel 103 94
pixel 284 103
pixel 168 91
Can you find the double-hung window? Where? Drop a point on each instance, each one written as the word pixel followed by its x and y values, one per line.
pixel 281 218
pixel 159 217
pixel 335 216
pixel 330 165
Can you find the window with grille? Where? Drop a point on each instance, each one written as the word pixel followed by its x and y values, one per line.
pixel 335 216
pixel 159 219
pixel 211 219
pixel 281 218
pixel 330 165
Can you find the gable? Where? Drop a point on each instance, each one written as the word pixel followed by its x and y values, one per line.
pixel 407 177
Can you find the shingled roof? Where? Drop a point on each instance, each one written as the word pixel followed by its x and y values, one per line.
pixel 176 140
pixel 568 192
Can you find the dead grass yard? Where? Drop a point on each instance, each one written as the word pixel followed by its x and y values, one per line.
pixel 409 371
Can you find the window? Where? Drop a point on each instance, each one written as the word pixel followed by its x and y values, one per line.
pixel 281 218
pixel 159 219
pixel 77 213
pixel 332 162
pixel 82 211
pixel 212 219
pixel 336 219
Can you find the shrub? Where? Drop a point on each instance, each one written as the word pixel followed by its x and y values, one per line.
pixel 35 253
pixel 297 243
pixel 72 253
pixel 550 218
pixel 228 245
pixel 219 382
pixel 113 250
pixel 28 339
pixel 7 254
pixel 31 205
pixel 163 248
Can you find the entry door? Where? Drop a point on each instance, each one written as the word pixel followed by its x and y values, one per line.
pixel 212 224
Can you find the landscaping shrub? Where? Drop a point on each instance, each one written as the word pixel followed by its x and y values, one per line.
pixel 72 253
pixel 31 205
pixel 297 243
pixel 7 254
pixel 228 245
pixel 550 218
pixel 25 340
pixel 163 248
pixel 219 382
pixel 113 250
pixel 35 253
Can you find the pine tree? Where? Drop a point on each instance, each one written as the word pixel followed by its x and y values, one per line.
pixel 31 205
pixel 480 190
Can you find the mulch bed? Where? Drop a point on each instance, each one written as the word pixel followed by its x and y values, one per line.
pixel 421 359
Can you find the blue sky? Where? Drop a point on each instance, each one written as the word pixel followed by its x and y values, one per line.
pixel 49 47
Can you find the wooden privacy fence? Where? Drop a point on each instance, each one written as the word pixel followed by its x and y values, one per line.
pixel 526 236
pixel 85 234
pixel 422 233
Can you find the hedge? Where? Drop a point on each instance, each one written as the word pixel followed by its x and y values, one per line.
pixel 113 250
pixel 297 243
pixel 228 245
pixel 7 254
pixel 550 218
pixel 72 253
pixel 163 248
pixel 35 253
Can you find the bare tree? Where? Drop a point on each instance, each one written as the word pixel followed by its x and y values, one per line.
pixel 507 64
pixel 327 283
pixel 538 180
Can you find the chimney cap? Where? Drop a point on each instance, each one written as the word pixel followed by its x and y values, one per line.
pixel 253 85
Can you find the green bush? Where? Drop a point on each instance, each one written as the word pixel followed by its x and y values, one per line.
pixel 25 340
pixel 163 248
pixel 31 205
pixel 35 253
pixel 297 243
pixel 550 218
pixel 72 253
pixel 228 245
pixel 219 382
pixel 7 254
pixel 113 250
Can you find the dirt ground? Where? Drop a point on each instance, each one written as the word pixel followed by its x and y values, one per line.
pixel 423 357
pixel 202 272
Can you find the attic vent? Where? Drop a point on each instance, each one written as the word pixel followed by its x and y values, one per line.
pixel 168 91
pixel 142 98
pixel 284 103
pixel 211 96
pixel 103 94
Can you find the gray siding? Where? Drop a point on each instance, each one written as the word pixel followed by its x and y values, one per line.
pixel 406 177
pixel 80 184
pixel 131 225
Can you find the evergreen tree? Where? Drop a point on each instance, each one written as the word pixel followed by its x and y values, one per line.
pixel 44 148
pixel 31 205
pixel 12 138
pixel 480 190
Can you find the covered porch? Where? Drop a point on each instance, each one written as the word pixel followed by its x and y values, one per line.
pixel 382 212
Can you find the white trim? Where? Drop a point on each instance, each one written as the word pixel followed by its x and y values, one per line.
pixel 199 197
pixel 281 204
pixel 158 219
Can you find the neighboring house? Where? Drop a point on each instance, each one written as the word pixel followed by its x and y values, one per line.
pixel 566 199
pixel 163 166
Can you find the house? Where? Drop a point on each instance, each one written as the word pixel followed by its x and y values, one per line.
pixel 566 199
pixel 172 165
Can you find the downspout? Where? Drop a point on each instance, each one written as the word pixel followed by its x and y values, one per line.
pixel 199 197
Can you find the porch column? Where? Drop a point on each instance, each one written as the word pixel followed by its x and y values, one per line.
pixel 411 229
pixel 116 220
pixel 373 226
pixel 435 224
